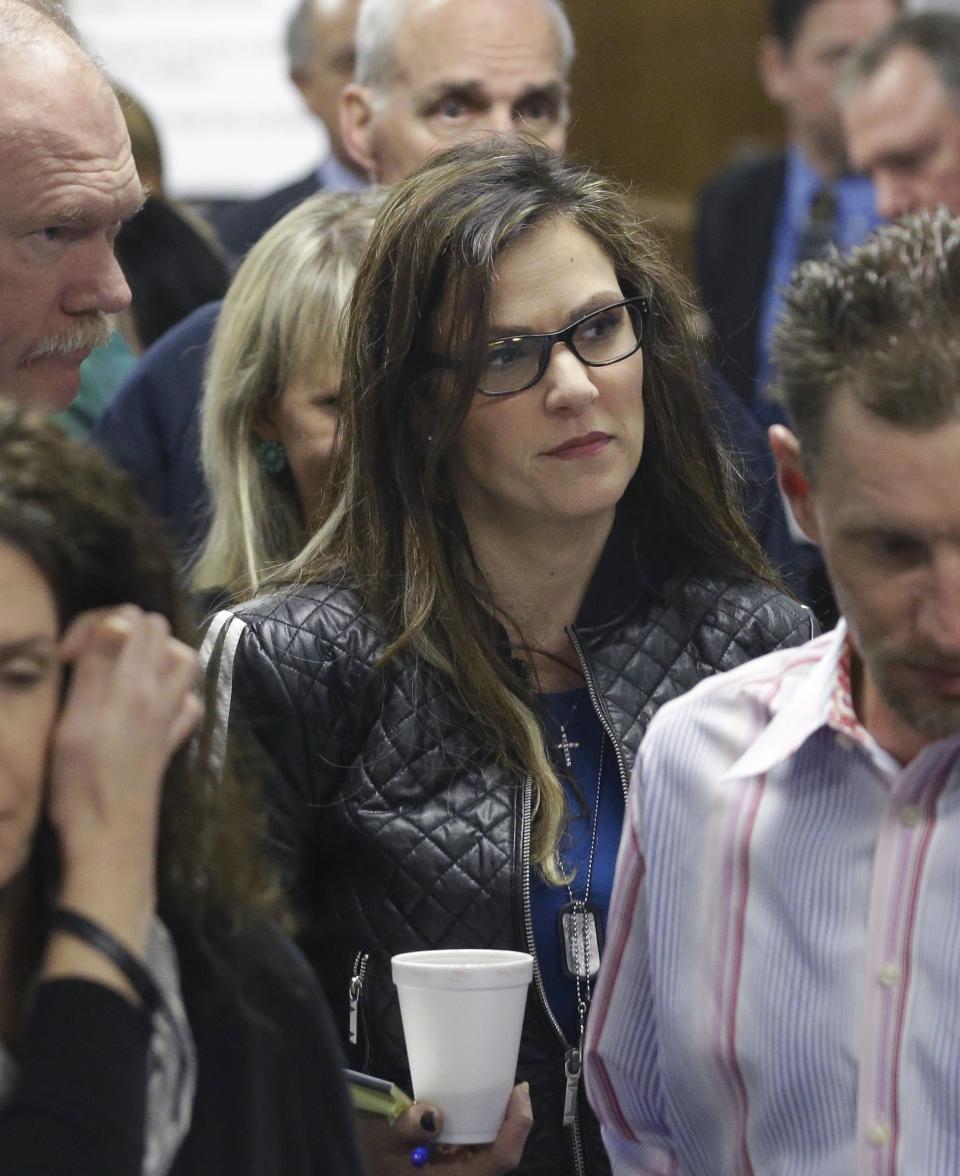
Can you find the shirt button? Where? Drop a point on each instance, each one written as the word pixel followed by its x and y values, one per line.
pixel 910 816
pixel 845 743
pixel 879 1134
pixel 889 975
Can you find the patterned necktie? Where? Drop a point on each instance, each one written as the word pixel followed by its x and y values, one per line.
pixel 820 231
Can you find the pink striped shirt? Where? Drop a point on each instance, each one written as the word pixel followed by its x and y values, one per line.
pixel 780 992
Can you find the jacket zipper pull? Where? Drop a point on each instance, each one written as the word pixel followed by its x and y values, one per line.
pixel 355 991
pixel 572 1066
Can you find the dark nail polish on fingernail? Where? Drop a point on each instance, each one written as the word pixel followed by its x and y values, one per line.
pixel 428 1121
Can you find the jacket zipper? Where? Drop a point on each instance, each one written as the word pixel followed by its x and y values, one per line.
pixel 572 1060
pixel 355 992
pixel 600 710
pixel 571 1054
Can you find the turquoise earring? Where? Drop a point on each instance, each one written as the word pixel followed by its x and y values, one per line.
pixel 272 457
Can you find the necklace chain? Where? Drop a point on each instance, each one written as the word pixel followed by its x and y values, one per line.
pixel 579 912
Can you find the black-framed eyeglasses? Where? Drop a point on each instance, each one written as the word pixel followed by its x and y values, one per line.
pixel 597 339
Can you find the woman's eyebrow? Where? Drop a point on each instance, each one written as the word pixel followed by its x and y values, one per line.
pixel 42 643
pixel 595 302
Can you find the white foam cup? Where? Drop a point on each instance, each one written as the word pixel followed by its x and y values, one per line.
pixel 462 1012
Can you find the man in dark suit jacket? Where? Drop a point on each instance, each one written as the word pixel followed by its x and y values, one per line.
pixel 320 49
pixel 753 216
pixel 736 217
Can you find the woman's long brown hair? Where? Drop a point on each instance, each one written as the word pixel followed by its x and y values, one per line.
pixel 424 286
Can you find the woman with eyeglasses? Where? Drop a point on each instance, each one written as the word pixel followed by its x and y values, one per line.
pixel 534 545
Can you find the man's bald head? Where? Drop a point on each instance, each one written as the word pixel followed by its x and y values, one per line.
pixel 26 21
pixel 67 182
pixel 431 73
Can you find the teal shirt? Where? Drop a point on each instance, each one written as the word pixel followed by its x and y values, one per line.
pixel 101 374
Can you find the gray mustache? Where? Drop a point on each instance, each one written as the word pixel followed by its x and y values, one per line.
pixel 90 332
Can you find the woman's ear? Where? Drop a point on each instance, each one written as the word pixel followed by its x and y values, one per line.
pixel 264 421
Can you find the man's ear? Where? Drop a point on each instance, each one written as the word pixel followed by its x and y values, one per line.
pixel 773 68
pixel 794 480
pixel 356 127
pixel 303 80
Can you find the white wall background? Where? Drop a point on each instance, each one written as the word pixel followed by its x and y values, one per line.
pixel 212 74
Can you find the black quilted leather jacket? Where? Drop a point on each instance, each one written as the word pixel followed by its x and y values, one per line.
pixel 398 830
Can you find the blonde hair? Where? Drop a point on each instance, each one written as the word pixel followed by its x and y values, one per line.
pixel 281 316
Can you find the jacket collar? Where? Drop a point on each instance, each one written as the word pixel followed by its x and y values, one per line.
pixel 619 584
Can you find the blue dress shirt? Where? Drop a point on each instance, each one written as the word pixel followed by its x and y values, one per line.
pixel 856 218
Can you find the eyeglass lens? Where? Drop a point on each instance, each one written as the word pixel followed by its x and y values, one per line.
pixel 601 338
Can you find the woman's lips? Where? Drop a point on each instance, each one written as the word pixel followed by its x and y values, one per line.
pixel 586 446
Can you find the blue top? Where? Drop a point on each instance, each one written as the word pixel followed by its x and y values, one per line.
pixel 583 727
pixel 856 218
pixel 151 428
pixel 334 176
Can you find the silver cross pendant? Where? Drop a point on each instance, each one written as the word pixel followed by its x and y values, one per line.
pixel 566 746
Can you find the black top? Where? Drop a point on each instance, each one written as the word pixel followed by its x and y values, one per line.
pixel 270 1100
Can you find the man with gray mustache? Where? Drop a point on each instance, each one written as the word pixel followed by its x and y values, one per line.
pixel 67 184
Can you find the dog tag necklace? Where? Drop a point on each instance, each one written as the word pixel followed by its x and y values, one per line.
pixel 581 933
pixel 580 925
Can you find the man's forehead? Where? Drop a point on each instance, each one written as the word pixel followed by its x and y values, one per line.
pixel 842 22
pixel 75 169
pixel 46 86
pixel 893 112
pixel 471 41
pixel 906 81
pixel 872 460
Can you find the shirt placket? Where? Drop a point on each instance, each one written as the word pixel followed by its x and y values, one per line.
pixel 899 862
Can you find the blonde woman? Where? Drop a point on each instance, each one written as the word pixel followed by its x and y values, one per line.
pixel 269 411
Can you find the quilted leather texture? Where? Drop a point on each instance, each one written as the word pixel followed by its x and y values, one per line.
pixel 397 829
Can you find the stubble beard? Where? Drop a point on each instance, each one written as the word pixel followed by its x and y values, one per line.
pixel 929 713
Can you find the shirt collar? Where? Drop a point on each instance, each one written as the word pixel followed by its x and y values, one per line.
pixel 822 699
pixel 335 176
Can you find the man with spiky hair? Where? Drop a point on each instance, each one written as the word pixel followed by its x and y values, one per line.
pixel 778 990
pixel 67 183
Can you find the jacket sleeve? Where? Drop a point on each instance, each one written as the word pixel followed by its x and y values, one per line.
pixel 770 621
pixel 796 624
pixel 270 712
pixel 79 1102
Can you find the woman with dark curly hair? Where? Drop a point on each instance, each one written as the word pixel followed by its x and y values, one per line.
pixel 534 543
pixel 152 1020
